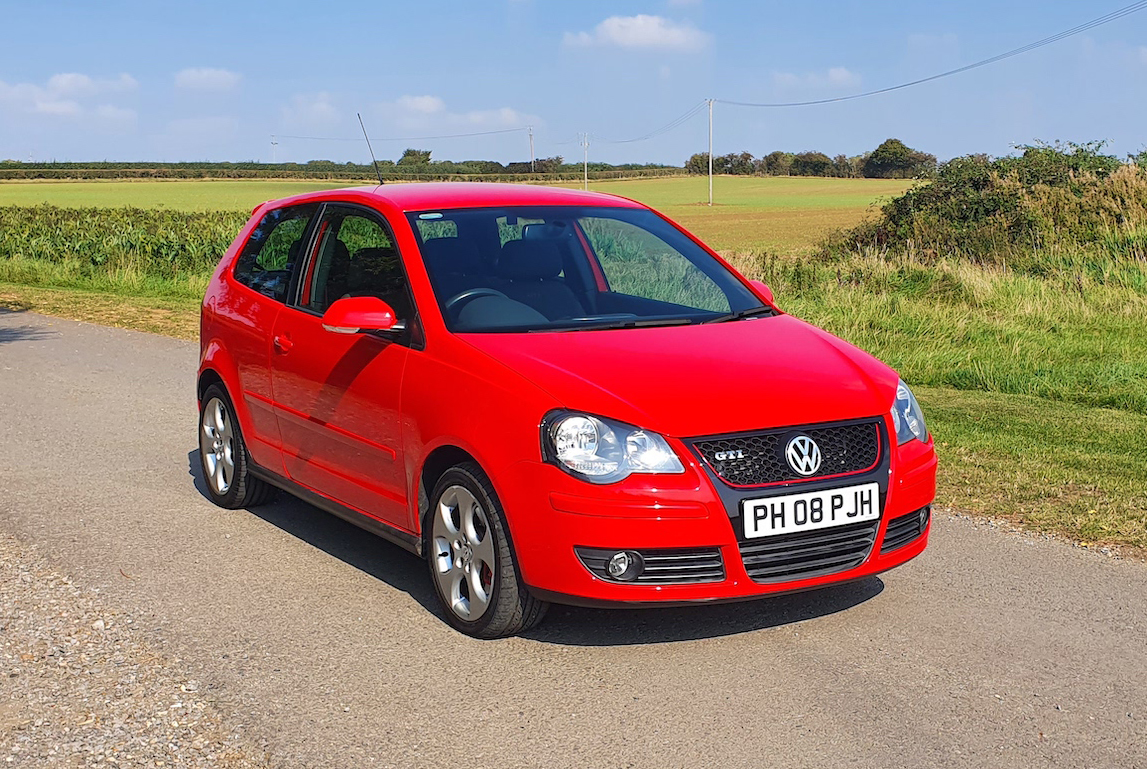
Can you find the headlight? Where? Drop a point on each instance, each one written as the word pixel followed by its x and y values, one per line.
pixel 907 416
pixel 604 451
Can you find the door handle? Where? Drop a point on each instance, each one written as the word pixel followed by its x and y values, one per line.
pixel 282 344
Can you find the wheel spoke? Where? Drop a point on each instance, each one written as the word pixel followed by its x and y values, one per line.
pixel 220 416
pixel 479 596
pixel 484 552
pixel 223 474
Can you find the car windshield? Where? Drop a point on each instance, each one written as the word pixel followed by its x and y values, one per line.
pixel 565 268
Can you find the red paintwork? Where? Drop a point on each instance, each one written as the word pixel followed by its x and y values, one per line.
pixel 355 417
pixel 363 313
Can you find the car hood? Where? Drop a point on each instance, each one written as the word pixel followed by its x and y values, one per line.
pixel 708 379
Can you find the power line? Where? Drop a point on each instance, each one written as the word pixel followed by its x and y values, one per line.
pixel 409 138
pixel 1106 19
pixel 695 109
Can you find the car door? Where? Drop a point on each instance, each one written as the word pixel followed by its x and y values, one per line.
pixel 337 395
pixel 264 272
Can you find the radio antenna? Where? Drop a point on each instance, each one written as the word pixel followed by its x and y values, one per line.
pixel 372 157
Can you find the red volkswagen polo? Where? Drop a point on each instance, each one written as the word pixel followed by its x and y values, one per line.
pixel 550 395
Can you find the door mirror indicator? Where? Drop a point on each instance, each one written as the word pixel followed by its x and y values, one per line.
pixel 359 314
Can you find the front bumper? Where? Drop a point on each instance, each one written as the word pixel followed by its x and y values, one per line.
pixel 552 514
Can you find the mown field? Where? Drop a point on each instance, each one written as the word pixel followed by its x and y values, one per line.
pixel 784 214
pixel 1035 385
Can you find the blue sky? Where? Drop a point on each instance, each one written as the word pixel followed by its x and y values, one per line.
pixel 120 80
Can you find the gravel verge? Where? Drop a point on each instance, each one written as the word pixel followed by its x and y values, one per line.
pixel 82 684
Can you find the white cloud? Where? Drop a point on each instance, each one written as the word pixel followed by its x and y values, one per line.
pixel 196 138
pixel 206 79
pixel 63 95
pixel 78 85
pixel 314 112
pixel 641 32
pixel 113 115
pixel 430 114
pixel 422 105
pixel 834 78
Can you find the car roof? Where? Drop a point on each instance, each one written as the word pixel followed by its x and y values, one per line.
pixel 423 196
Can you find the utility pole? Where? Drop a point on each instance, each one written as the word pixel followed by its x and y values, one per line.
pixel 710 152
pixel 531 131
pixel 585 160
pixel 274 144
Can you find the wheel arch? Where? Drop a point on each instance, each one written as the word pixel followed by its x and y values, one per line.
pixel 436 463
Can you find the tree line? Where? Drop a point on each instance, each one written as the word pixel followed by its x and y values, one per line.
pixel 891 160
pixel 413 162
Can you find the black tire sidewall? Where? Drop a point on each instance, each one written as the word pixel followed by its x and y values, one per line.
pixel 471 478
pixel 239 451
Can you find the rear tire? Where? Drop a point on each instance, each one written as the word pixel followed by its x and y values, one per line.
pixel 471 559
pixel 223 455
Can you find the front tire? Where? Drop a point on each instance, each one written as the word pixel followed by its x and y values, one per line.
pixel 223 455
pixel 471 561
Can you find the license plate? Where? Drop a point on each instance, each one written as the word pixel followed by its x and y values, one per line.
pixel 793 513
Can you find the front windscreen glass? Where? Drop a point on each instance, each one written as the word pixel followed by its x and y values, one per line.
pixel 572 268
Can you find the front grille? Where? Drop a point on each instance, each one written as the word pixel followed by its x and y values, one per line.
pixel 663 567
pixel 808 554
pixel 759 458
pixel 905 528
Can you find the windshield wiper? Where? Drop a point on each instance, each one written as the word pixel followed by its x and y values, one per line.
pixel 626 323
pixel 750 313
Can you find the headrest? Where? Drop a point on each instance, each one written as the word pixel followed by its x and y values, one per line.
pixel 451 255
pixel 536 259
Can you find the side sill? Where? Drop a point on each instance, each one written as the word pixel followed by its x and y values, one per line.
pixel 403 539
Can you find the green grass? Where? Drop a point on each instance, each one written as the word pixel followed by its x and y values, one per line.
pixel 951 324
pixel 782 214
pixel 776 214
pixel 197 195
pixel 1070 470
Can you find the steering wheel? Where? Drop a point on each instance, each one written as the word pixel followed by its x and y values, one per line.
pixel 469 294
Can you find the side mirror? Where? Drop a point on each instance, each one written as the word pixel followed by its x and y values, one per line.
pixel 763 291
pixel 356 314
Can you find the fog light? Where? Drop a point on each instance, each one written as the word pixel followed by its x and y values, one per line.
pixel 625 566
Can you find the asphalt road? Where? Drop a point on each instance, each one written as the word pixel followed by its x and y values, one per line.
pixel 991 649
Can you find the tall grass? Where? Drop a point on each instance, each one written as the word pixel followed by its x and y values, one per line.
pixel 1075 337
pixel 129 250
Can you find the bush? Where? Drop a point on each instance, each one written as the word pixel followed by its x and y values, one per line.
pixel 1021 211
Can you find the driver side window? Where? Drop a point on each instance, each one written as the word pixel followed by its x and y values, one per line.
pixel 356 257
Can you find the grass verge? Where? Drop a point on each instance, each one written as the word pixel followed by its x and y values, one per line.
pixel 1060 468
pixel 177 317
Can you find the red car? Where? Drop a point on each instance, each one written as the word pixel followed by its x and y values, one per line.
pixel 551 396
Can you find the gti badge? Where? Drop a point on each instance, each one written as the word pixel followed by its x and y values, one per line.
pixel 721 456
pixel 803 455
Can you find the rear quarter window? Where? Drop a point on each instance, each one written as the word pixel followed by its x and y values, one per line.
pixel 272 253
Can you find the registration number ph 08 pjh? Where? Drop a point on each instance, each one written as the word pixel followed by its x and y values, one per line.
pixel 793 513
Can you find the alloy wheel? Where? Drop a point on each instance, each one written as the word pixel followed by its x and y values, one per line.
pixel 463 553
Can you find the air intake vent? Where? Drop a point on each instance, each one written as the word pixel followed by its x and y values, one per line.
pixel 808 554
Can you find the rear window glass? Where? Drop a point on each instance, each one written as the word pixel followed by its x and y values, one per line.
pixel 272 252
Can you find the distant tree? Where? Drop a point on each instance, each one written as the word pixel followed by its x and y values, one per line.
pixel 812 164
pixel 549 165
pixel 776 164
pixel 413 157
pixel 895 160
pixel 698 164
pixel 735 163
